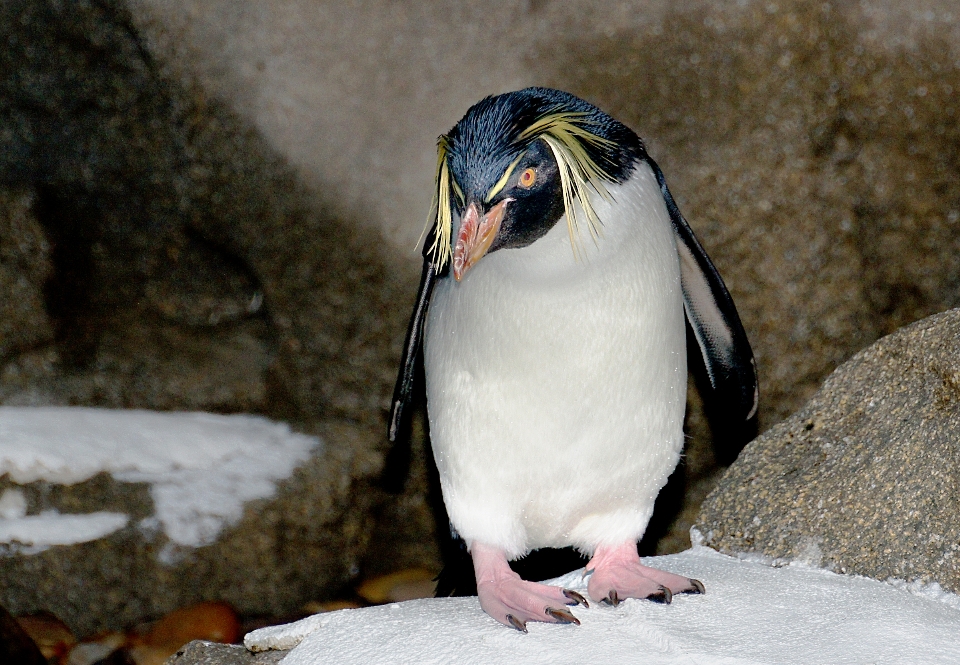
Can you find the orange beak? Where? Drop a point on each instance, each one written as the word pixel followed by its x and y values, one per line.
pixel 475 236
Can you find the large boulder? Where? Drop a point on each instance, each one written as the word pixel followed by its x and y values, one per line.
pixel 157 254
pixel 865 478
pixel 109 517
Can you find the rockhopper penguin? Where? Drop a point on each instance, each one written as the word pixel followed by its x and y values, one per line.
pixel 557 276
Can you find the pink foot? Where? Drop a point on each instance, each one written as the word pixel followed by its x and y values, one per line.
pixel 513 601
pixel 618 574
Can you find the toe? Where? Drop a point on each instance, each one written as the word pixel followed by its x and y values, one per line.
pixel 676 583
pixel 515 602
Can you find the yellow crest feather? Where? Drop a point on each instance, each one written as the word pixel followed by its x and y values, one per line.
pixel 568 138
pixel 440 207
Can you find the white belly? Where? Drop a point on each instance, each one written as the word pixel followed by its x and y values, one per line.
pixel 556 387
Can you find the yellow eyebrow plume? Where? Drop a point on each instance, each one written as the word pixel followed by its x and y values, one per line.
pixel 569 139
pixel 503 179
pixel 440 216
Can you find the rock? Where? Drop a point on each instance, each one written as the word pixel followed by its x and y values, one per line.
pixel 751 613
pixel 209 653
pixel 399 586
pixel 157 253
pixel 24 267
pixel 182 507
pixel 210 621
pixel 865 478
pixel 50 634
pixel 812 146
pixel 16 646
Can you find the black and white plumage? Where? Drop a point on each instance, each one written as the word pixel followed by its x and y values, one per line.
pixel 555 353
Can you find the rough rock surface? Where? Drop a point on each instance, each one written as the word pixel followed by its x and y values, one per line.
pixel 865 478
pixel 813 146
pixel 304 542
pixel 24 267
pixel 212 653
pixel 161 256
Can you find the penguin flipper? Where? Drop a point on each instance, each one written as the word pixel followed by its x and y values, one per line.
pixel 398 428
pixel 406 377
pixel 731 390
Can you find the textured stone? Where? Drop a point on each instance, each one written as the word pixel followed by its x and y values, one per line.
pixel 24 267
pixel 170 259
pixel 865 478
pixel 812 146
pixel 301 543
pixel 211 653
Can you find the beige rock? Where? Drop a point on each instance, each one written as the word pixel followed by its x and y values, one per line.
pixel 865 478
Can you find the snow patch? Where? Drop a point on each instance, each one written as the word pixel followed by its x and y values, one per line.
pixel 751 614
pixel 201 467
pixel 13 504
pixel 931 590
pixel 35 533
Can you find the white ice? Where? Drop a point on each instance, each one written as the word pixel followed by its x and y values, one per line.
pixel 751 614
pixel 202 468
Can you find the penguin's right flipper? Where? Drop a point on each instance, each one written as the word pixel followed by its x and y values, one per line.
pixel 404 392
pixel 413 343
pixel 731 392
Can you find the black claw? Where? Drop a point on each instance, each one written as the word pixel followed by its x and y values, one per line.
pixel 664 596
pixel 563 616
pixel 577 599
pixel 697 587
pixel 612 598
pixel 516 623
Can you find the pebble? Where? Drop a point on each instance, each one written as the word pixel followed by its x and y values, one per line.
pixel 211 621
pixel 50 634
pixel 399 586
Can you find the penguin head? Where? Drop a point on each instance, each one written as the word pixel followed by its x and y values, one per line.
pixel 517 163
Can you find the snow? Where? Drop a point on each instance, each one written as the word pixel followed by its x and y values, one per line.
pixel 36 533
pixel 751 614
pixel 201 467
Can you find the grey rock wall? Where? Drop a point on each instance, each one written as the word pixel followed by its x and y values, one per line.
pixel 157 253
pixel 865 478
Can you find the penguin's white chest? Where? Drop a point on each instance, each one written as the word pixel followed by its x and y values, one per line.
pixel 556 386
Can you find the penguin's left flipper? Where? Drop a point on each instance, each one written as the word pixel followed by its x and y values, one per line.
pixel 731 390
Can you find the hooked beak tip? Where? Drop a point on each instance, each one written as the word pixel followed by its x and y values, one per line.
pixel 476 235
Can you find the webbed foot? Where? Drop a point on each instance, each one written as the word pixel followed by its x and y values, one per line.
pixel 513 601
pixel 618 574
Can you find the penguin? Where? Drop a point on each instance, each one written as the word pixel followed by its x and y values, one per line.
pixel 558 287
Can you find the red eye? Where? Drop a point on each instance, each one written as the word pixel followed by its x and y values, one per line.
pixel 527 178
